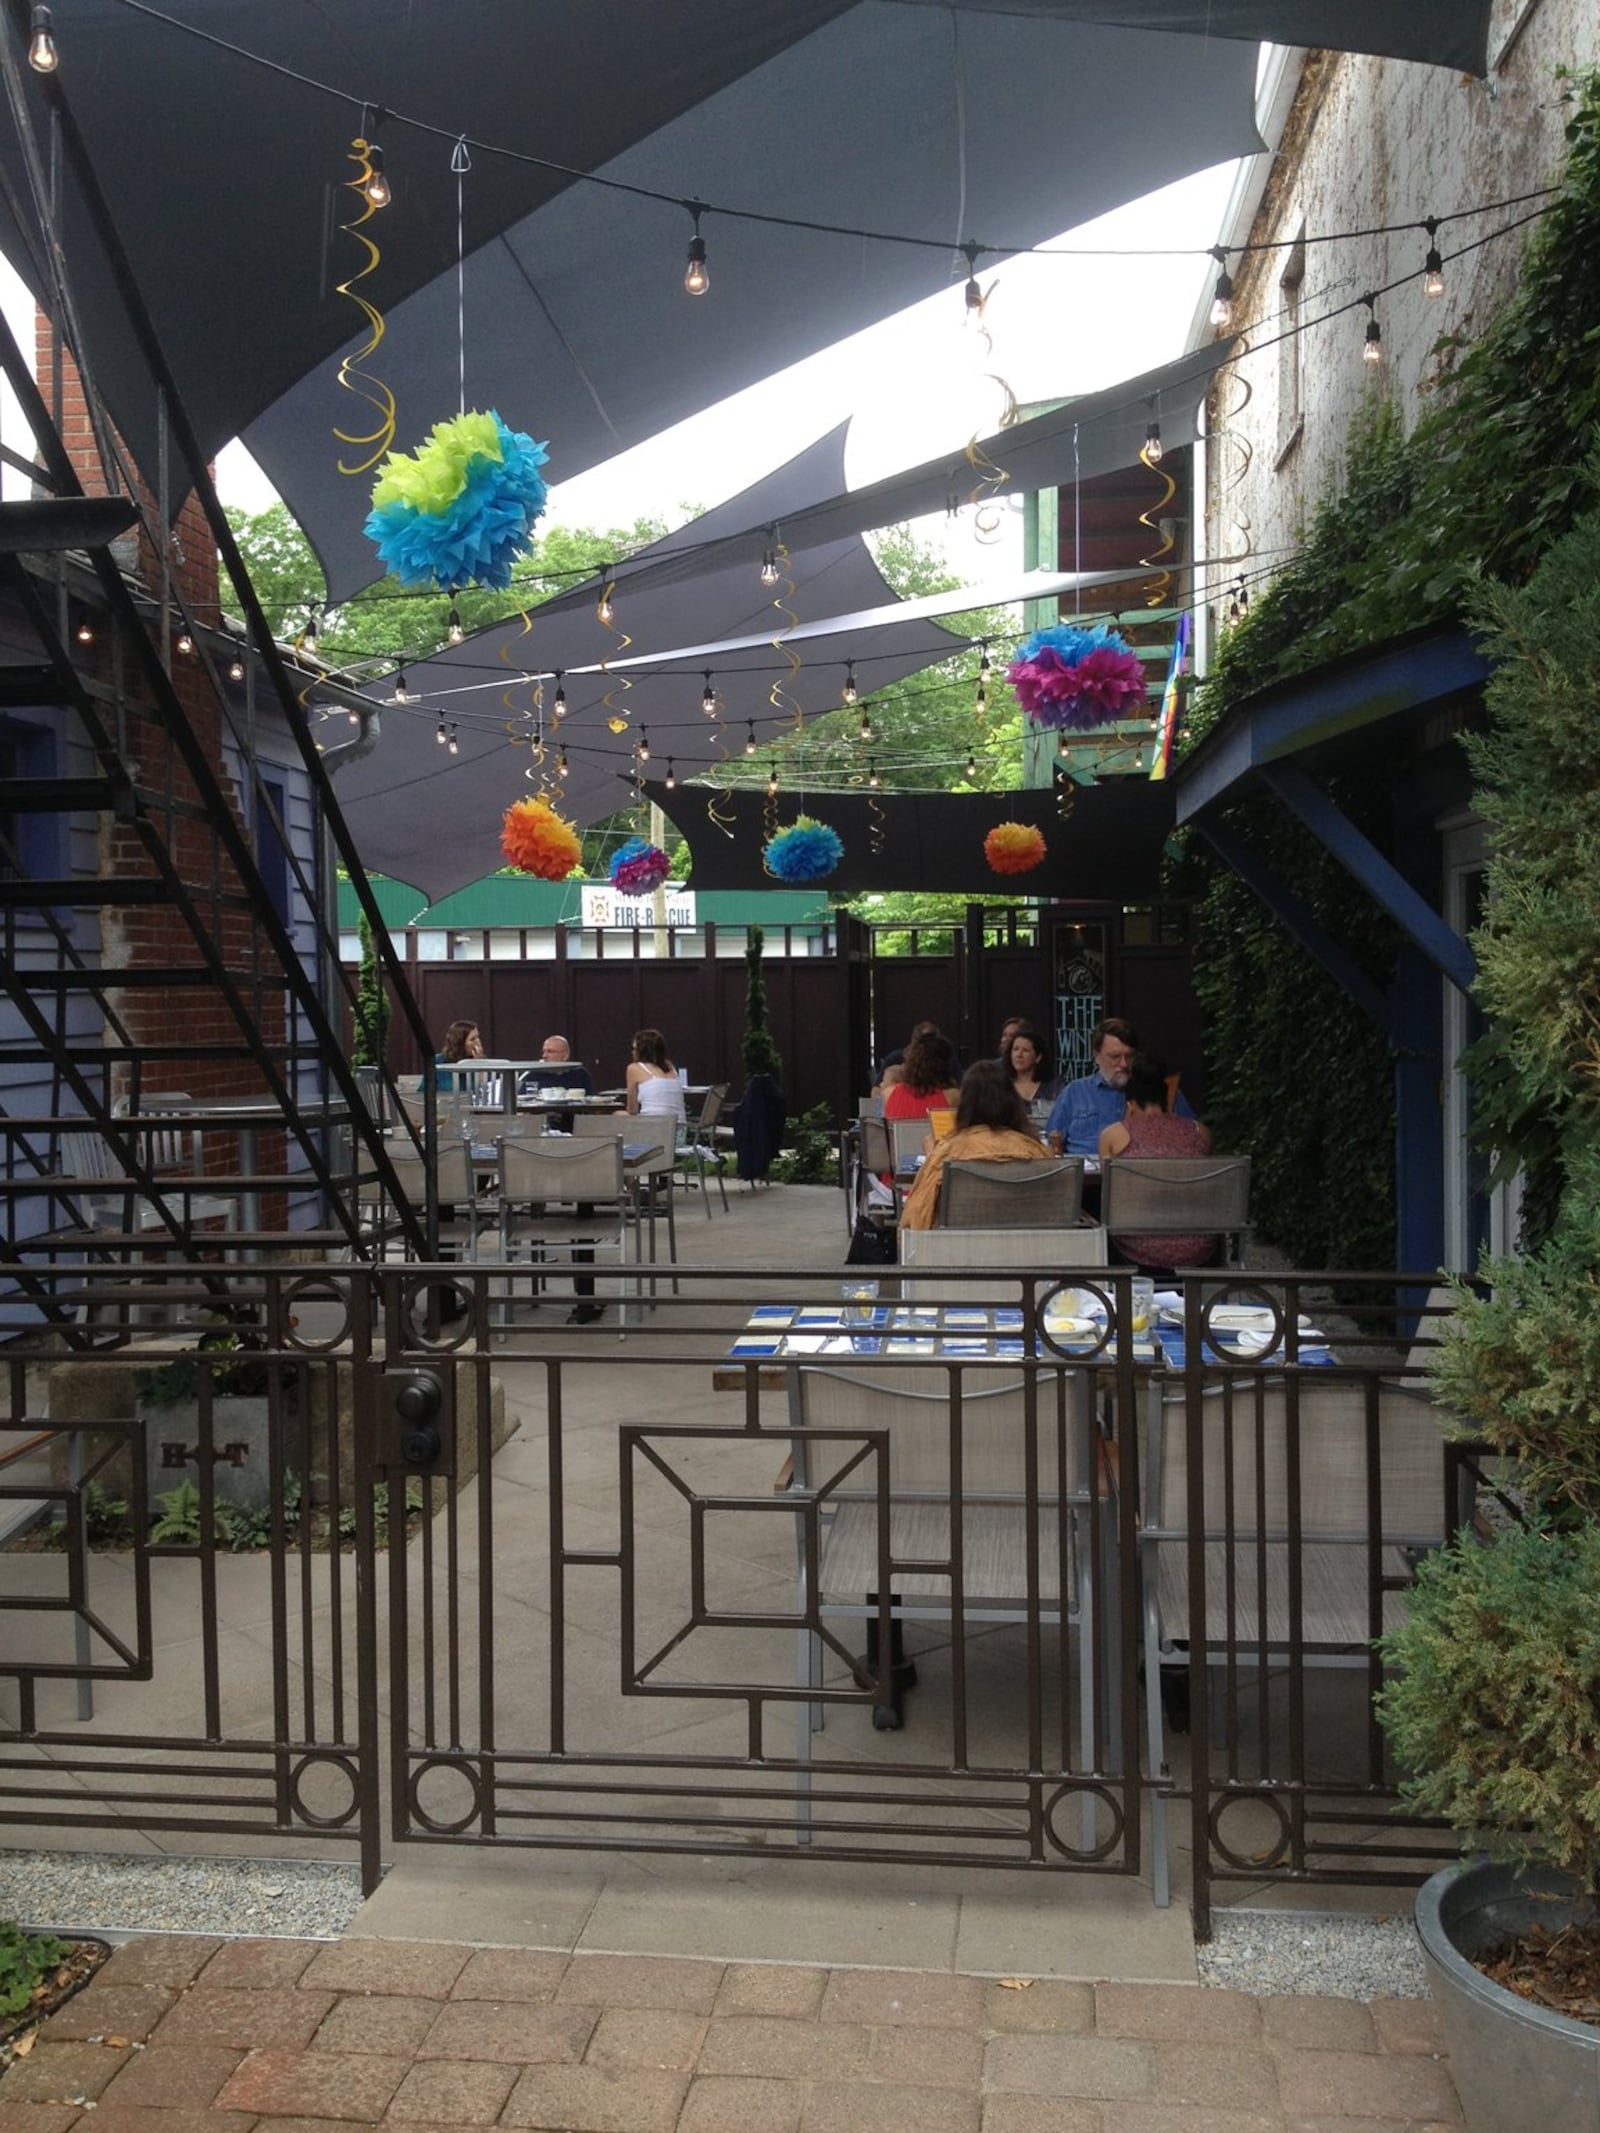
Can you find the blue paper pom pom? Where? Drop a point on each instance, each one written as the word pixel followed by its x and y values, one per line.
pixel 477 537
pixel 805 851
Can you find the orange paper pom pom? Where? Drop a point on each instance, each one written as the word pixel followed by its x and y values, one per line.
pixel 537 841
pixel 1014 847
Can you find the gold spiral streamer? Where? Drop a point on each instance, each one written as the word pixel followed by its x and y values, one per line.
pixel 992 479
pixel 781 698
pixel 351 372
pixel 715 802
pixel 877 824
pixel 1155 594
pixel 1241 450
pixel 617 720
pixel 1066 797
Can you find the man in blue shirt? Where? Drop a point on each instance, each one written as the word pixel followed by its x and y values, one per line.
pixel 1099 1099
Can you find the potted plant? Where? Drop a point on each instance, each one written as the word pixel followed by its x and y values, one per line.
pixel 1493 1705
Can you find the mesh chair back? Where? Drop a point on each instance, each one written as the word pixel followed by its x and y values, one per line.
pixel 1012 1195
pixel 453 1165
pixel 662 1134
pixel 548 1170
pixel 1176 1195
pixel 877 1150
pixel 711 1111
pixel 991 1249
pixel 906 1137
pixel 914 1407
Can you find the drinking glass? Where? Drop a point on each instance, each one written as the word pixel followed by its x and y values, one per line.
pixel 860 1301
pixel 1144 1303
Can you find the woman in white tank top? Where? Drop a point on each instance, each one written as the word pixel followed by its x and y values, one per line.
pixel 654 1090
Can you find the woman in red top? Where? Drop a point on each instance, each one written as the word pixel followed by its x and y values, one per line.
pixel 928 1081
pixel 1147 1127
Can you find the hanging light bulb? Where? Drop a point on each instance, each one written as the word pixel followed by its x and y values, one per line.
pixel 1222 296
pixel 708 699
pixel 772 782
pixel 1372 346
pixel 985 665
pixel 1061 743
pixel 972 765
pixel 1244 598
pixel 453 744
pixel 376 188
pixel 559 704
pixel 696 280
pixel 42 54
pixel 672 776
pixel 750 744
pixel 603 609
pixel 866 722
pixel 873 778
pixel 1152 443
pixel 644 745
pixel 453 631
pixel 185 641
pixel 849 692
pixel 85 631
pixel 402 695
pixel 308 639
pixel 1233 609
pixel 236 669
pixel 1433 265
pixel 974 295
pixel 980 702
pixel 769 568
pixel 355 719
pixel 563 767
pixel 441 736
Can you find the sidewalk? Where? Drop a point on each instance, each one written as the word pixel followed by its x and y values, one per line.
pixel 177 2035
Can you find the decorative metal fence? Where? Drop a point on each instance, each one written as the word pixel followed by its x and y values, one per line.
pixel 975 1571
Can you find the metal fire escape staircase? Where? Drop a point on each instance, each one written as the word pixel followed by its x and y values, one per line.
pixel 170 832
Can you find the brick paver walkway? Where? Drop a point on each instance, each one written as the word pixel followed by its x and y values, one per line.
pixel 201 2036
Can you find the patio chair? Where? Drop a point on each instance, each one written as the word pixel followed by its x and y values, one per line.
pixel 907 1137
pixel 1018 1194
pixel 560 1192
pixel 1321 1493
pixel 880 1531
pixel 991 1249
pixel 1179 1196
pixel 699 1147
pixel 466 1208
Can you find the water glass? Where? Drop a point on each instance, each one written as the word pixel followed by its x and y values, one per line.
pixel 1144 1303
pixel 860 1301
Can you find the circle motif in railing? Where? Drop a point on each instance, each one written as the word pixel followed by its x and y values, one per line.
pixel 324 1776
pixel 424 1294
pixel 314 1291
pixel 449 1780
pixel 1068 1326
pixel 1068 1800
pixel 1258 1856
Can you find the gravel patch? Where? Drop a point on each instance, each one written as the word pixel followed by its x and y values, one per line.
pixel 111 1892
pixel 1339 1957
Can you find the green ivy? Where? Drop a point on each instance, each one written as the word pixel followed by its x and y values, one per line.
pixel 1492 475
pixel 26 1960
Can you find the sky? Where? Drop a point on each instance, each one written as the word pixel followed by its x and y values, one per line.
pixel 922 382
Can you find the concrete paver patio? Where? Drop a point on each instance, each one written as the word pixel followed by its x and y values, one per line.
pixel 176 2035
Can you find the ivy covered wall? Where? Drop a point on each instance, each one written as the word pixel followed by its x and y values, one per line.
pixel 1493 473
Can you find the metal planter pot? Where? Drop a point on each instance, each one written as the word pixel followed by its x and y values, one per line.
pixel 1516 2066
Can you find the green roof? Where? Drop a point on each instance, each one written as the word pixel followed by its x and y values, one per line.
pixel 516 900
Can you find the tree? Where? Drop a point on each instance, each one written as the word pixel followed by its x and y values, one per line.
pixel 756 1049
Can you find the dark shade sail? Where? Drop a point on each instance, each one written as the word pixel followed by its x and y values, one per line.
pixel 1108 845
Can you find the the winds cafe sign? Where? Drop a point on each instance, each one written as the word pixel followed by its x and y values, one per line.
pixel 603 906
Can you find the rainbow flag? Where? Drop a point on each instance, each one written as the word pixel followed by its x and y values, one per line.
pixel 1170 695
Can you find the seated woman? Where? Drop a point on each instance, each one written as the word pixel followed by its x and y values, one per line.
pixel 1147 1127
pixel 654 1090
pixel 1028 1063
pixel 991 1127
pixel 461 1042
pixel 927 1081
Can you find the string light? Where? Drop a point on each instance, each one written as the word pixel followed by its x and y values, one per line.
pixel 1222 295
pixel 642 747
pixel 559 705
pixel 974 295
pixel 1372 346
pixel 453 744
pixel 672 776
pixel 402 695
pixel 454 632
pixel 85 631
pixel 1062 748
pixel 972 765
pixel 603 609
pixel 1433 265
pixel 772 782
pixel 563 767
pixel 750 744
pixel 873 778
pixel 236 669
pixel 42 54
pixel 769 567
pixel 1152 443
pixel 308 638
pixel 185 641
pixel 866 722
pixel 985 665
pixel 376 186
pixel 980 702
pixel 696 280
pixel 441 736
pixel 849 692
pixel 355 718
pixel 708 699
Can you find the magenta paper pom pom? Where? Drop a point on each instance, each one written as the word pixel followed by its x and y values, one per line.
pixel 1072 677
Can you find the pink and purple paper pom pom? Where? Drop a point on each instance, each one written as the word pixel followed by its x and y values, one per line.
pixel 1072 677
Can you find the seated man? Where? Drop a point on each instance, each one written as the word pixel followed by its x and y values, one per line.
pixel 1088 1105
pixel 557 1069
